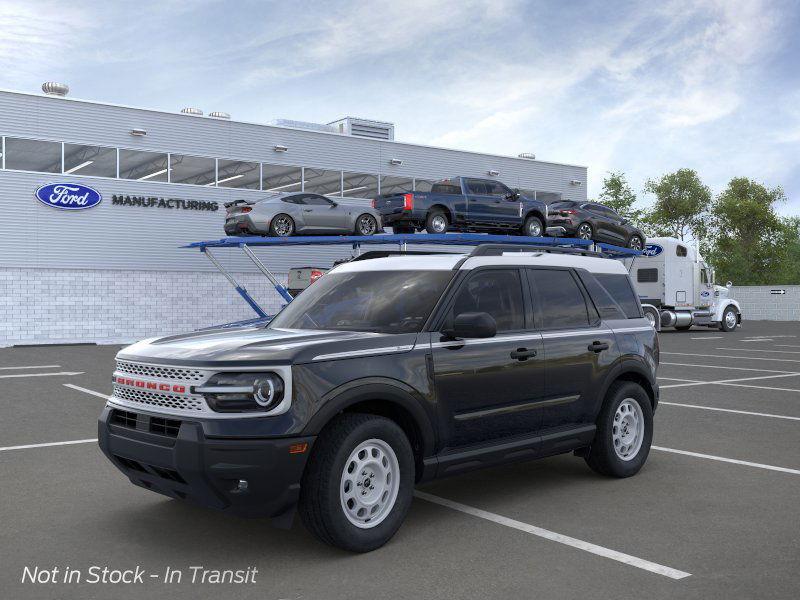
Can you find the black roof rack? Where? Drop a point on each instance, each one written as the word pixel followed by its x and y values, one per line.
pixel 500 249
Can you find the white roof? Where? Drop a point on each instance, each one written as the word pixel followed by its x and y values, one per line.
pixel 446 262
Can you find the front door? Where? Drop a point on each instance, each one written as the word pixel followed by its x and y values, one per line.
pixel 488 388
pixel 578 349
pixel 324 215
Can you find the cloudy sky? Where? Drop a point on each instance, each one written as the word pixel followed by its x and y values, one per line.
pixel 641 87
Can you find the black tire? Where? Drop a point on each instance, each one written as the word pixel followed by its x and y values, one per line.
pixel 320 506
pixel 398 228
pixel 636 242
pixel 533 227
pixel 601 456
pixel 360 230
pixel 723 326
pixel 279 231
pixel 583 227
pixel 434 220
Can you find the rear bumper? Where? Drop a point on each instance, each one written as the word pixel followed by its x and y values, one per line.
pixel 207 471
pixel 244 225
pixel 399 215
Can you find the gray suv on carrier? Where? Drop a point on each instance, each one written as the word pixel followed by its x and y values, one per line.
pixel 386 373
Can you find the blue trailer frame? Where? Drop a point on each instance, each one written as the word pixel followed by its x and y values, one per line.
pixel 401 240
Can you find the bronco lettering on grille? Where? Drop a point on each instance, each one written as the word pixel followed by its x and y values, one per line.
pixel 149 385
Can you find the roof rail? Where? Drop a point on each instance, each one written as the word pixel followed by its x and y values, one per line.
pixel 500 249
pixel 385 253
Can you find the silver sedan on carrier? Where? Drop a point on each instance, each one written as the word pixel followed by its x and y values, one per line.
pixel 300 213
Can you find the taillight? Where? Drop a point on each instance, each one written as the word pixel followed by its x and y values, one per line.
pixel 315 275
pixel 373 203
pixel 246 209
pixel 566 213
pixel 408 201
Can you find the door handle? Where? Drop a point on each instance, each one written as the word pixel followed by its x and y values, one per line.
pixel 308 210
pixel 523 354
pixel 598 346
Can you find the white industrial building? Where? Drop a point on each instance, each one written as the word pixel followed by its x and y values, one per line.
pixel 115 272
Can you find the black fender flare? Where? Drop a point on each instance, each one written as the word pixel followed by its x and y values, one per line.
pixel 625 366
pixel 375 389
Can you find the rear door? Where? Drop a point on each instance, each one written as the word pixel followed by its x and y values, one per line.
pixel 578 349
pixel 489 388
pixel 480 203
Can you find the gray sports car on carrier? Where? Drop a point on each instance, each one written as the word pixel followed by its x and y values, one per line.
pixel 300 213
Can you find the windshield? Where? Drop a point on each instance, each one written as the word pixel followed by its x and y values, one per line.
pixel 377 301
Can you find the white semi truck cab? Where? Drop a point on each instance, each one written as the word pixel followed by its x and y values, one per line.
pixel 677 288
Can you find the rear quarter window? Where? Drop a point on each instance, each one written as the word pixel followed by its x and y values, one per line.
pixel 620 289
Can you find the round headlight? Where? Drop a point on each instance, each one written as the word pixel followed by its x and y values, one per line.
pixel 268 392
pixel 242 392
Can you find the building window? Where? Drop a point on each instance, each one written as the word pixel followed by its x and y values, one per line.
pixel 237 174
pixel 423 185
pixel 321 181
pixel 396 185
pixel 33 155
pixel 144 166
pixel 96 161
pixel 194 170
pixel 280 178
pixel 359 185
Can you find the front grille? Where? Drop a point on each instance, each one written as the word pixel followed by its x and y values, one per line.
pixel 148 398
pixel 159 372
pixel 161 426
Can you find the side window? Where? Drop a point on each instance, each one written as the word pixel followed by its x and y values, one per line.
pixel 315 200
pixel 293 199
pixel 497 292
pixel 560 300
pixel 647 275
pixel 620 289
pixel 476 186
pixel 495 188
pixel 681 251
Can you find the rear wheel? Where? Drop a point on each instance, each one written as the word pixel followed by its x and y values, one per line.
pixel 357 487
pixel 366 224
pixel 585 231
pixel 624 431
pixel 635 243
pixel 533 227
pixel 729 320
pixel 436 222
pixel 281 226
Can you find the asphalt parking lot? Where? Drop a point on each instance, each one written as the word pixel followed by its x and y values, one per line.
pixel 714 513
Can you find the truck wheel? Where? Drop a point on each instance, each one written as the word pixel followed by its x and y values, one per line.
pixel 624 431
pixel 436 222
pixel 357 487
pixel 366 225
pixel 585 231
pixel 729 321
pixel 533 227
pixel 281 226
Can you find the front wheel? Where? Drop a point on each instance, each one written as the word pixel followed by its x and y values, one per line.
pixel 533 227
pixel 585 231
pixel 729 320
pixel 366 225
pixel 358 485
pixel 635 243
pixel 624 431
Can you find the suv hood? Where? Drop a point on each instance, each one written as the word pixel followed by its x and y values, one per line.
pixel 249 346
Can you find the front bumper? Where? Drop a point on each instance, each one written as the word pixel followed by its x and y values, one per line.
pixel 178 460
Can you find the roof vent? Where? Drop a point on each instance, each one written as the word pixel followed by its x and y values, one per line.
pixel 192 111
pixel 219 115
pixel 51 88
pixel 377 130
pixel 527 155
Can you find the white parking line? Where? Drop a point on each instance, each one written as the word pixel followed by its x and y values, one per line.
pixel 708 337
pixel 758 350
pixel 787 346
pixel 730 410
pixel 726 381
pixel 84 390
pixel 761 387
pixel 672 364
pixel 556 537
pixel 727 460
pixel 737 357
pixel 31 367
pixel 69 443
pixel 41 374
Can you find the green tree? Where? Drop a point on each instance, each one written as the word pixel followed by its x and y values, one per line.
pixel 681 205
pixel 618 195
pixel 749 243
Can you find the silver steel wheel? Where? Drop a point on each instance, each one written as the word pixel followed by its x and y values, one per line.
pixel 585 231
pixel 628 429
pixel 439 223
pixel 367 225
pixel 635 243
pixel 370 482
pixel 650 317
pixel 534 228
pixel 730 319
pixel 282 226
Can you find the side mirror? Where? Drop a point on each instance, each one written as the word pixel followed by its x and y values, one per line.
pixel 334 204
pixel 473 325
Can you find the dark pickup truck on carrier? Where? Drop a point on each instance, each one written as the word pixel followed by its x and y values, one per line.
pixel 464 204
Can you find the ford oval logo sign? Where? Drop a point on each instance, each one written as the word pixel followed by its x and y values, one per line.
pixel 652 250
pixel 68 196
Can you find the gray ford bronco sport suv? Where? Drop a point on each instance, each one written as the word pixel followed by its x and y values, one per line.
pixel 386 373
